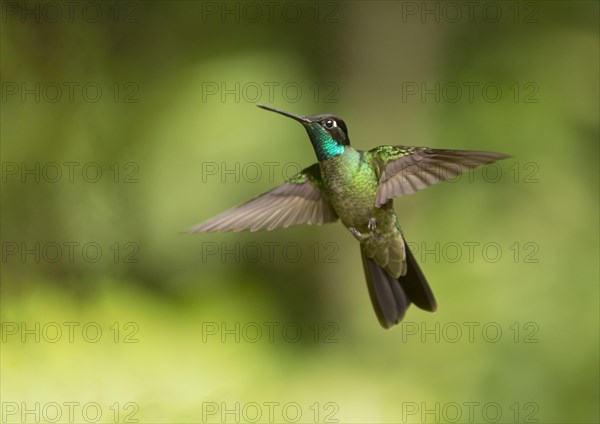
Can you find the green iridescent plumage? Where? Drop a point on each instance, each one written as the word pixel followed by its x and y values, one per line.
pixel 388 153
pixel 358 187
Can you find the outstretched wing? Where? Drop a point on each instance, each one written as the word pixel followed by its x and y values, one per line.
pixel 404 170
pixel 297 201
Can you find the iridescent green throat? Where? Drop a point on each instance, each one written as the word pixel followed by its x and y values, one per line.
pixel 325 146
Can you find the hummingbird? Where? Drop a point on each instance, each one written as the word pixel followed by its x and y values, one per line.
pixel 357 187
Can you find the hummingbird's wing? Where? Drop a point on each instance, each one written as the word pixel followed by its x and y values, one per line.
pixel 404 170
pixel 297 201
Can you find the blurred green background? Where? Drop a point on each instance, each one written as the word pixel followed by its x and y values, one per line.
pixel 163 105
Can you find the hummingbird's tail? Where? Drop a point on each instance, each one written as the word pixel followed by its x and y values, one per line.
pixel 391 297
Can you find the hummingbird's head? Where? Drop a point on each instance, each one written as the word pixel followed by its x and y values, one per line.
pixel 328 133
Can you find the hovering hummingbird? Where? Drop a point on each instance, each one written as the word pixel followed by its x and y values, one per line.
pixel 357 187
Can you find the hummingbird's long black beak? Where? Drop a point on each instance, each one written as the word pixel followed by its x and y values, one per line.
pixel 298 118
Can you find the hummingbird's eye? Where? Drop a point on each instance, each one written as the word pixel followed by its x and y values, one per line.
pixel 330 123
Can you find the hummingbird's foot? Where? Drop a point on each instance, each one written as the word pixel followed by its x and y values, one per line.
pixel 372 224
pixel 357 234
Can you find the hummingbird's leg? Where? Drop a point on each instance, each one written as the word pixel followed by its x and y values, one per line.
pixel 357 234
pixel 372 223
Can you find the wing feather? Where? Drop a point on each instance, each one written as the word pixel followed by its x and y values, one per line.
pixel 404 170
pixel 297 201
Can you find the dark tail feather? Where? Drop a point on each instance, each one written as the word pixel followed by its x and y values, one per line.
pixel 390 297
pixel 415 285
pixel 387 296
